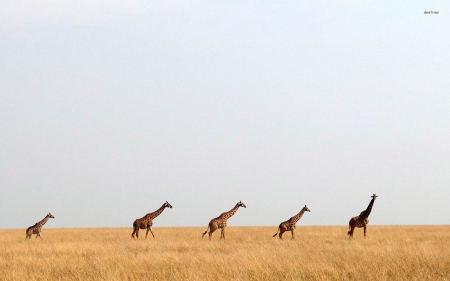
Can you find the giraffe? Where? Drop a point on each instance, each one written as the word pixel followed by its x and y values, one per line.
pixel 146 221
pixel 290 223
pixel 221 221
pixel 361 220
pixel 36 228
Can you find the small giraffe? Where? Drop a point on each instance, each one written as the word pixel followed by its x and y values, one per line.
pixel 221 221
pixel 36 228
pixel 361 220
pixel 290 223
pixel 146 221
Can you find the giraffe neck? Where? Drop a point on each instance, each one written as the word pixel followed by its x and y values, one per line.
pixel 230 213
pixel 157 212
pixel 43 221
pixel 298 216
pixel 366 213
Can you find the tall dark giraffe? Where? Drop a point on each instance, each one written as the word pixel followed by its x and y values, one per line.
pixel 36 228
pixel 290 223
pixel 146 221
pixel 361 220
pixel 221 221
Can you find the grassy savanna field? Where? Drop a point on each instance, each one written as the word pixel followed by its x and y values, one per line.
pixel 249 253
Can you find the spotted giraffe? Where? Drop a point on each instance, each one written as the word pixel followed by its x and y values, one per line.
pixel 146 221
pixel 221 221
pixel 290 223
pixel 361 220
pixel 36 228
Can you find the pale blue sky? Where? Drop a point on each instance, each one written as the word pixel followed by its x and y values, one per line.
pixel 110 108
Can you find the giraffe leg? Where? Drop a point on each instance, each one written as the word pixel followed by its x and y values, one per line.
pixel 352 229
pixel 293 233
pixel 137 233
pixel 222 234
pixel 212 228
pixel 146 233
pixel 152 232
pixel 365 227
pixel 281 233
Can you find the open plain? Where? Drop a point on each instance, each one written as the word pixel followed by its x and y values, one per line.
pixel 249 253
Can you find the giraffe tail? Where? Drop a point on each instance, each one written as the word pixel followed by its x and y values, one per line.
pixel 277 232
pixel 205 231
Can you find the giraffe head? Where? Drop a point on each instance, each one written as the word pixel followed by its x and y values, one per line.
pixel 306 209
pixel 240 204
pixel 167 205
pixel 374 196
pixel 50 216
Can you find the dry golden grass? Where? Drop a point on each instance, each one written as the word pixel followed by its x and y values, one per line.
pixel 249 253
